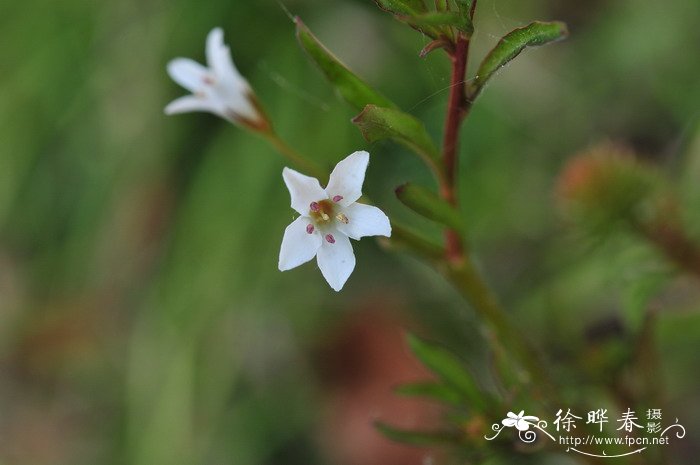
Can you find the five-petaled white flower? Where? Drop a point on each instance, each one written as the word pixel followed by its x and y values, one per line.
pixel 329 218
pixel 218 88
pixel 522 423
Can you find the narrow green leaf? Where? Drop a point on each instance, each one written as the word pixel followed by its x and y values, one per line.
pixel 441 5
pixel 353 89
pixel 403 7
pixel 438 19
pixel 449 369
pixel 377 123
pixel 403 238
pixel 416 438
pixel 431 390
pixel 430 205
pixel 510 46
pixel 465 12
pixel 465 6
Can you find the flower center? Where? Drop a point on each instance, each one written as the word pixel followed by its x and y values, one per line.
pixel 324 212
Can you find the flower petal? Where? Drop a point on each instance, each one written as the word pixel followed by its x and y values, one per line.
pixel 298 246
pixel 347 178
pixel 188 73
pixel 336 261
pixel 365 220
pixel 189 103
pixel 509 422
pixel 236 103
pixel 219 59
pixel 303 190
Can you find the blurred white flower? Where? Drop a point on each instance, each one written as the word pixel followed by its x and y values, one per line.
pixel 218 88
pixel 522 423
pixel 329 218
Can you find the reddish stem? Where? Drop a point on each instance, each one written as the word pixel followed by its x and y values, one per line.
pixel 457 109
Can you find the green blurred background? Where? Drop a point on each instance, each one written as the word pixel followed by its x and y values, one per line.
pixel 142 316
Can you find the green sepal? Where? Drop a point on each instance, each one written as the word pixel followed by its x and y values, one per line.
pixel 350 87
pixel 416 438
pixel 448 368
pixel 428 204
pixel 510 46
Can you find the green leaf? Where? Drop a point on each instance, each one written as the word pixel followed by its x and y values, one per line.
pixel 404 10
pixel 439 19
pixel 430 205
pixel 450 370
pixel 431 390
pixel 464 5
pixel 377 123
pixel 403 7
pixel 510 46
pixel 403 238
pixel 353 89
pixel 416 438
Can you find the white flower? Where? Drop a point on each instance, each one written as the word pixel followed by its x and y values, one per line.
pixel 218 88
pixel 522 423
pixel 329 218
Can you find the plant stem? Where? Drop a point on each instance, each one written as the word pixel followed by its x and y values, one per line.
pixel 460 269
pixel 466 278
pixel 456 111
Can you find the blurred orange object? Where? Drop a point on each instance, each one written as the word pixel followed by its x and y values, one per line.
pixel 366 357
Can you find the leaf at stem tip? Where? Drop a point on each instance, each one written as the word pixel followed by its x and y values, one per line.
pixel 428 204
pixel 439 19
pixel 416 438
pixel 510 46
pixel 450 370
pixel 404 10
pixel 350 87
pixel 377 123
pixel 464 4
pixel 402 7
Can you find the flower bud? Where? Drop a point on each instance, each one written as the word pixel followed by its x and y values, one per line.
pixel 606 185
